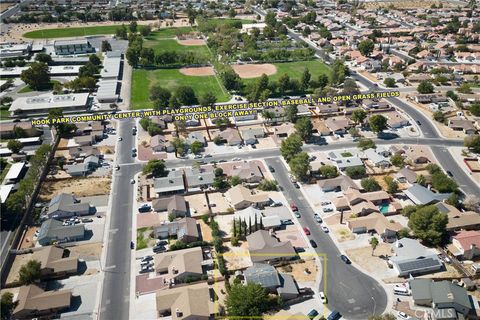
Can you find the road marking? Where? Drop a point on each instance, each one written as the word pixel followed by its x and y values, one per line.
pixel 110 267
pixel 300 198
pixel 113 230
pixel 351 300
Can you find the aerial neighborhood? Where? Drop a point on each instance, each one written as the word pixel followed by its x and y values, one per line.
pixel 240 159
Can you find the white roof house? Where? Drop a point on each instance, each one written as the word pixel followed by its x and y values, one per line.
pixel 5 192
pixel 41 104
pixel 14 172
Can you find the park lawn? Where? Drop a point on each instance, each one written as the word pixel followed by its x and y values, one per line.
pixel 168 33
pixel 170 79
pixel 28 89
pixel 70 32
pixel 221 21
pixel 4 113
pixel 173 45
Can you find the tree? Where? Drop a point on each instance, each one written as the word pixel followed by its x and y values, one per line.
pixel 291 113
pixel 133 26
pixel 186 95
pixel 220 183
pixel 30 272
pixel 106 46
pixel 425 87
pixel 397 160
pixel 359 115
pixel 387 316
pixel 196 147
pixel 94 59
pixel 300 165
pixel 439 116
pixel 15 146
pixel 472 203
pixel 339 71
pixel 133 56
pixel 207 99
pixel 366 47
pixel 377 123
pixel 291 146
pixel 235 180
pixel 268 185
pixel 232 13
pixel 121 32
pixel 465 88
pixel 373 243
pixel 160 96
pixel 453 200
pixel 155 167
pixel 472 142
pixel 328 171
pixel 7 305
pixel 270 19
pixel 355 172
pixel 63 129
pixel 428 224
pixel 304 128
pixel 145 30
pixel 43 58
pixel 247 300
pixel 370 185
pixel 305 80
pixel 475 109
pixel 364 144
pixel 88 70
pixel 442 183
pixel 36 76
pixel 389 82
pixel 392 185
pixel 421 180
pixel 284 83
pixel 322 81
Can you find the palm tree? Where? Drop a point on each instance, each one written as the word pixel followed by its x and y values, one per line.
pixel 374 244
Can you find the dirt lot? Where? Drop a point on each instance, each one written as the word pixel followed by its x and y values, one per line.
pixel 192 42
pixel 342 233
pixel 403 4
pixel 81 187
pixel 246 71
pixel 363 256
pixel 221 203
pixel 237 257
pixel 87 252
pixel 298 271
pixel 28 239
pixel 200 71
pixel 198 204
pixel 206 231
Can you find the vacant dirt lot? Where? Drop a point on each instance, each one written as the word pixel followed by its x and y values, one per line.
pixel 81 187
pixel 87 252
pixel 299 273
pixel 371 263
pixel 198 72
pixel 192 42
pixel 237 257
pixel 246 71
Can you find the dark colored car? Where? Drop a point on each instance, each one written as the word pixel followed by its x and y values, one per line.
pixel 312 314
pixel 419 123
pixel 272 169
pixel 345 259
pixel 132 245
pixel 296 185
pixel 335 315
pixel 450 173
pixel 313 243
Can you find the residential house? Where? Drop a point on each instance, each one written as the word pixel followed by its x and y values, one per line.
pixel 378 159
pixel 412 258
pixel 175 205
pixel 338 125
pixel 34 302
pixel 395 119
pixel 266 248
pixel 54 231
pixel 344 160
pixel 173 183
pixel 406 175
pixel 184 229
pixel 77 170
pixel 55 262
pixel 229 136
pixel 180 264
pixel 79 153
pixel 8 129
pixel 249 172
pixel 65 205
pixel 241 198
pixel 375 222
pixel 417 154
pixel 251 135
pixel 421 195
pixel 185 302
pixel 284 130
pixel 320 127
pixel 268 277
pixel 196 136
pixel 15 173
pixel 159 143
pixel 446 298
pixel 467 126
pixel 457 220
pixel 341 182
pixel 198 179
pixel 465 245
pixel 270 221
pixel 362 204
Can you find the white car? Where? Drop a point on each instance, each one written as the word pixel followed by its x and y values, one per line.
pixel 325 229
pixel 132 181
pixel 120 138
pixel 323 297
pixel 236 159
pixel 402 315
pixel 325 203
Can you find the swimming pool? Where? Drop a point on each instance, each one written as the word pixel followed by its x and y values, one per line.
pixel 383 208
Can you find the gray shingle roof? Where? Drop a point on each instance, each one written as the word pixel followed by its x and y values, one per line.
pixel 54 229
pixel 263 274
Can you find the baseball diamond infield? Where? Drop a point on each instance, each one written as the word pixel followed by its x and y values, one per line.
pixel 199 72
pixel 192 42
pixel 247 71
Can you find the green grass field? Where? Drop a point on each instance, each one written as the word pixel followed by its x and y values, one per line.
pixel 170 79
pixel 173 45
pixel 295 70
pixel 168 33
pixel 220 21
pixel 70 32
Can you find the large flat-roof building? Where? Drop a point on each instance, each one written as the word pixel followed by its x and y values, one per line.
pixel 65 47
pixel 38 105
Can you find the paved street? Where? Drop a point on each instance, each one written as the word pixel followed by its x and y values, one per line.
pixel 116 285
pixel 353 293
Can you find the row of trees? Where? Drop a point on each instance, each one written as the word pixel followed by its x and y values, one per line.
pixel 163 98
pixel 240 228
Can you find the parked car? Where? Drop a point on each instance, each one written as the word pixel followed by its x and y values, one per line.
pixel 323 297
pixel 325 229
pixel 328 209
pixel 296 185
pixel 335 315
pixel 325 203
pixel 132 181
pixel 147 258
pixel 120 138
pixel 158 249
pixel 145 208
pixel 402 315
pixel 84 220
pixel 276 204
pixel 306 230
pixel 117 167
pixel 312 314
pixel 207 156
pixel 297 214
pixel 286 221
pixel 313 243
pixel 132 245
pixel 345 259
pixel 293 207
pixel 450 173
pixel 272 169
pixel 145 269
pixel 197 156
pixel 236 159
pixel 317 218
